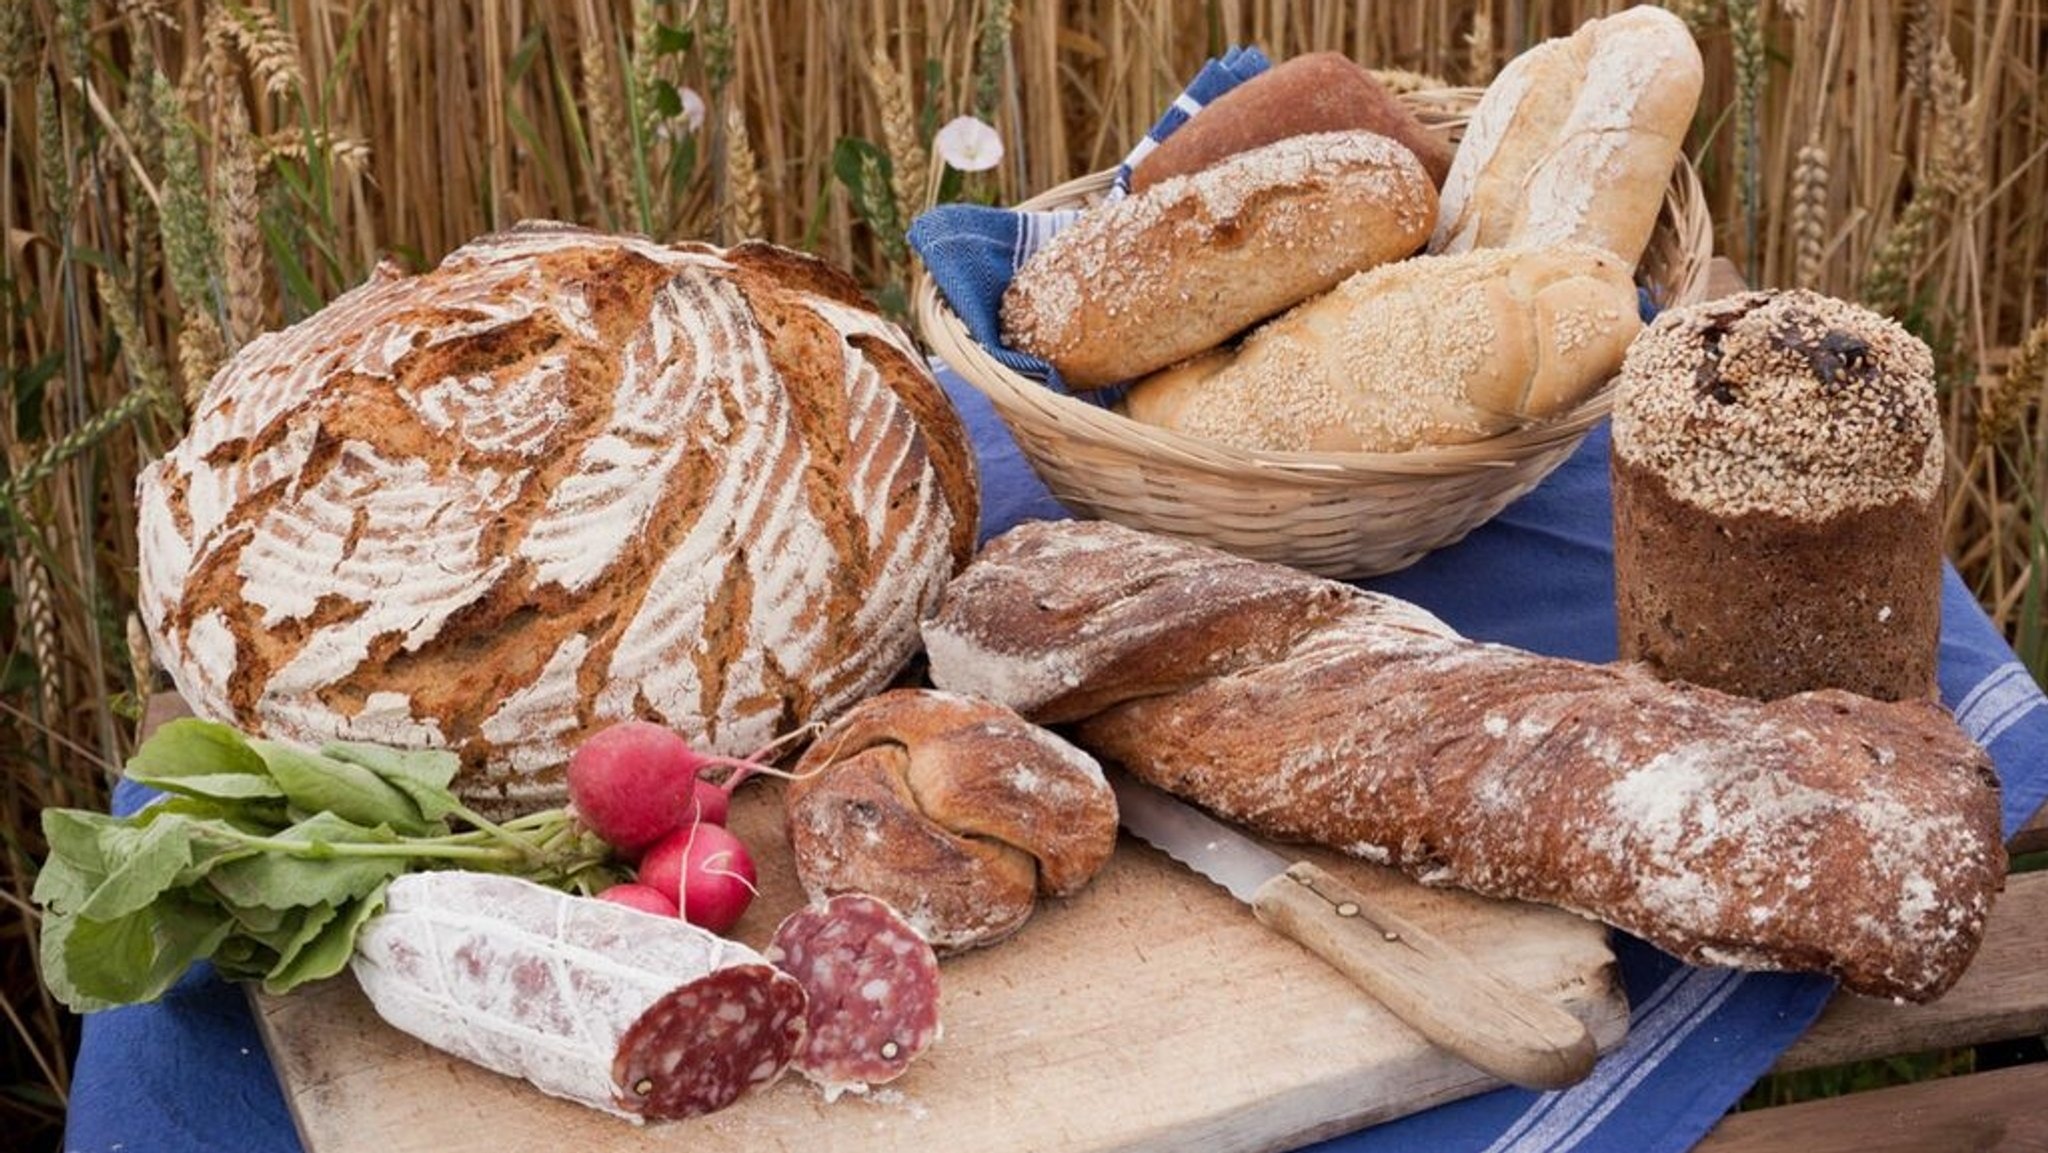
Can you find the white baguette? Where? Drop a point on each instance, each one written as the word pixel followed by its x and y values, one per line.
pixel 1575 139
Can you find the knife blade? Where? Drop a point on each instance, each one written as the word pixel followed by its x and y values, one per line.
pixel 1441 993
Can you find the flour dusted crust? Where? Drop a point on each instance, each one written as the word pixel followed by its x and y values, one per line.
pixel 562 479
pixel 1140 283
pixel 1426 351
pixel 956 811
pixel 1823 832
pixel 1575 139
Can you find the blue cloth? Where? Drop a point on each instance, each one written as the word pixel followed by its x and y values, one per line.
pixel 189 1074
pixel 971 250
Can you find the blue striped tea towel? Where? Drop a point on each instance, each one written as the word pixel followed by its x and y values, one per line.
pixel 972 251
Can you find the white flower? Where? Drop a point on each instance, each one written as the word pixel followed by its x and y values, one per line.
pixel 693 108
pixel 969 145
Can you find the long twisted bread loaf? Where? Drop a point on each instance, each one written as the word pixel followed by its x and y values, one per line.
pixel 1822 832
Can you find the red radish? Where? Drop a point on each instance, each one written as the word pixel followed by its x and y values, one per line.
pixel 645 898
pixel 636 782
pixel 709 872
pixel 715 801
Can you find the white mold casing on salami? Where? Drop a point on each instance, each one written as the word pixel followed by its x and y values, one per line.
pixel 562 479
pixel 538 984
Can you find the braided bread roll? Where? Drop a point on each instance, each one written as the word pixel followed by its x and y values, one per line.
pixel 1822 832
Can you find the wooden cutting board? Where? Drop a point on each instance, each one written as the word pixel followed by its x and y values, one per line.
pixel 1148 1012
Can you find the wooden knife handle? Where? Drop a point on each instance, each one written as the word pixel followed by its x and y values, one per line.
pixel 1445 996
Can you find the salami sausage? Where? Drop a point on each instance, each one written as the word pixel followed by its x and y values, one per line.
pixel 640 1015
pixel 873 984
pixel 705 1044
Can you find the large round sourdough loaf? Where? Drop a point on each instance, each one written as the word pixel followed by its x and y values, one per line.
pixel 562 479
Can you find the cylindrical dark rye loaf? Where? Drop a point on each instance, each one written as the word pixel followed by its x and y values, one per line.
pixel 1822 832
pixel 1777 463
pixel 560 480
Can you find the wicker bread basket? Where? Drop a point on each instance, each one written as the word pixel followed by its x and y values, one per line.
pixel 1337 514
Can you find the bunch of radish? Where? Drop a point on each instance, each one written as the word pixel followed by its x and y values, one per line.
pixel 642 788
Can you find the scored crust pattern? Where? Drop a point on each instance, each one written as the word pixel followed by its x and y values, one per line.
pixel 562 479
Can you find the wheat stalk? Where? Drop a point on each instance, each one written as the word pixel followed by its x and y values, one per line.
pixel 141 661
pixel 37 615
pixel 908 162
pixel 1697 14
pixel 74 29
pixel 1810 212
pixel 188 233
pixel 641 67
pixel 20 41
pixel 1956 161
pixel 144 363
pixel 1888 280
pixel 137 131
pixel 991 58
pixel 1920 40
pixel 350 155
pixel 140 12
pixel 1479 47
pixel 238 209
pixel 201 352
pixel 611 142
pixel 716 35
pixel 1400 80
pixel 742 179
pixel 272 56
pixel 1745 29
pixel 53 159
pixel 88 435
pixel 2026 377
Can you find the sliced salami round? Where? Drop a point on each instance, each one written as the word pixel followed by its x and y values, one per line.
pixel 637 1014
pixel 873 984
pixel 703 1046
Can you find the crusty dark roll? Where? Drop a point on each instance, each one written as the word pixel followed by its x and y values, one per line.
pixel 1822 832
pixel 1313 92
pixel 956 811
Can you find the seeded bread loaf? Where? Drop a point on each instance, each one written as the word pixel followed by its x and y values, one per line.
pixel 1427 351
pixel 956 811
pixel 560 480
pixel 1823 832
pixel 1777 464
pixel 1575 139
pixel 1139 283
pixel 1314 92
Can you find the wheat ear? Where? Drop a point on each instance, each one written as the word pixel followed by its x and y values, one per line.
pixel 2025 378
pixel 908 163
pixel 742 177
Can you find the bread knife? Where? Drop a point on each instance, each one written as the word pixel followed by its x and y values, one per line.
pixel 1443 994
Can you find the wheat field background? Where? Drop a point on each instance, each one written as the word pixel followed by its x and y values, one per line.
pixel 180 176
